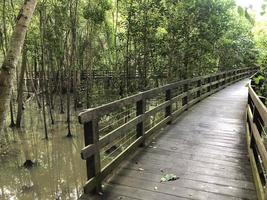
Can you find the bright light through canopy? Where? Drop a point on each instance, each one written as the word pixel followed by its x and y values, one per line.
pixel 253 4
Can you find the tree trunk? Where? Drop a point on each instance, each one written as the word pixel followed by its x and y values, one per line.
pixel 43 76
pixel 20 88
pixel 14 51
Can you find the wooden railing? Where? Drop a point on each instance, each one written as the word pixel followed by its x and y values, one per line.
pixel 175 98
pixel 256 140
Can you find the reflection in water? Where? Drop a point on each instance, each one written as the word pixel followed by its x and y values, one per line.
pixel 59 172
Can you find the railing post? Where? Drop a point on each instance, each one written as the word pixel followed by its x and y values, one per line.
pixel 209 81
pixel 224 76
pixel 199 84
pixel 185 99
pixel 222 80
pixel 218 79
pixel 168 109
pixel 93 166
pixel 140 128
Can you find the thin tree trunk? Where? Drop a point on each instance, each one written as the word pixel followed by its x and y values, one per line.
pixel 43 77
pixel 36 93
pixel 115 35
pixel 20 87
pixel 4 29
pixel 61 92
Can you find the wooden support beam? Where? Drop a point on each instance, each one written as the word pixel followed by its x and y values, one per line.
pixel 91 137
pixel 140 110
pixel 168 109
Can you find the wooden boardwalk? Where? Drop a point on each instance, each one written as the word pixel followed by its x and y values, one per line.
pixel 205 147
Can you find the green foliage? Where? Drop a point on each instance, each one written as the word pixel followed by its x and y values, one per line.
pixel 177 39
pixel 260 83
pixel 96 11
pixel 261 42
pixel 258 79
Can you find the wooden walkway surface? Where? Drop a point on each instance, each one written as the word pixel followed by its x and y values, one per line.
pixel 205 147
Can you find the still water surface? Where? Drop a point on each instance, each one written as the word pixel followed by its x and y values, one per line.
pixel 59 172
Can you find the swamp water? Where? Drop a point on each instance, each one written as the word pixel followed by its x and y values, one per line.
pixel 58 172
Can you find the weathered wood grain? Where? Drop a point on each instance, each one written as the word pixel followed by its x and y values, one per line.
pixel 257 112
pixel 205 147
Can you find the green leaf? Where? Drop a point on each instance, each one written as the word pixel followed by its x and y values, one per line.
pixel 169 177
pixel 258 79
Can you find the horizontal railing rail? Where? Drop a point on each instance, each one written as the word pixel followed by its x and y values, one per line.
pixel 256 140
pixel 153 109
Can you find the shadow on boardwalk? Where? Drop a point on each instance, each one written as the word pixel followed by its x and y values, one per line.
pixel 205 147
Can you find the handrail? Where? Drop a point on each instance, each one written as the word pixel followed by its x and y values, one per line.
pixel 178 97
pixel 255 126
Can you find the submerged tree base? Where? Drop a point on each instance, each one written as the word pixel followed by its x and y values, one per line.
pixel 69 135
pixel 12 125
pixel 28 164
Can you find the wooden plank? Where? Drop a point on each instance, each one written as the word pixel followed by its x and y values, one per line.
pixel 154 166
pixel 258 139
pixel 156 156
pixel 171 189
pixel 154 92
pixel 258 103
pixel 108 195
pixel 254 169
pixel 196 89
pixel 88 151
pixel 139 193
pixel 183 182
pixel 239 184
pixel 257 181
pixel 204 152
pixel 207 149
pixel 202 145
pixel 96 113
